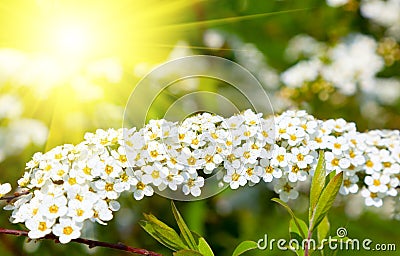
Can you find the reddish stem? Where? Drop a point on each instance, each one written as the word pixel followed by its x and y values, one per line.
pixel 90 243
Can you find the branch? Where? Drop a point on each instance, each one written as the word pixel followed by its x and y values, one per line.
pixel 15 196
pixel 90 243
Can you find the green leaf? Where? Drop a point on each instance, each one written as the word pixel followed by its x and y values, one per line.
pixel 204 248
pixel 187 253
pixel 244 247
pixel 318 183
pixel 185 232
pixel 295 219
pixel 162 233
pixel 293 228
pixel 323 229
pixel 326 200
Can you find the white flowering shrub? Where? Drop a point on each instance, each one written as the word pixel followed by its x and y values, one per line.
pixel 70 185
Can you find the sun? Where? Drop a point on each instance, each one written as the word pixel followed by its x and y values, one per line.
pixel 72 40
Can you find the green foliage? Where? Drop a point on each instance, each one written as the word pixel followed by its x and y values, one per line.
pixel 244 247
pixel 162 233
pixel 185 232
pixel 322 197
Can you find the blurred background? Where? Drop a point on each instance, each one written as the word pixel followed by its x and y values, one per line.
pixel 68 67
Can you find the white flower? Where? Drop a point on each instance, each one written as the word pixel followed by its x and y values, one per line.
pixel 66 230
pixel 39 227
pixel 377 182
pixel 267 172
pixel 294 135
pixel 338 145
pixel 294 173
pixel 235 178
pixel 302 157
pixel 141 189
pixel 54 207
pixel 252 174
pixel 285 189
pixel 336 163
pixel 101 212
pixel 192 185
pixel 349 185
pixel 372 198
pixel 4 189
pixel 80 210
pixel 280 158
pixel 392 185
pixel 155 174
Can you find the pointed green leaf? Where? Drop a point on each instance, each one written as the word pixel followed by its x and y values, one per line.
pixel 185 232
pixel 162 233
pixel 187 253
pixel 323 229
pixel 293 228
pixel 326 200
pixel 244 247
pixel 204 248
pixel 318 182
pixel 279 201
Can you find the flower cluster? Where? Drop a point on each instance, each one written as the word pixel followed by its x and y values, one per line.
pixel 70 185
pixel 385 13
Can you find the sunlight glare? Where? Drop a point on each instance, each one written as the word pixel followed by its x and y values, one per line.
pixel 72 40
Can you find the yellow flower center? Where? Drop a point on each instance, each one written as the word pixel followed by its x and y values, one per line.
pixel 87 170
pixel 79 197
pixel 387 164
pixel 155 174
pixel 373 195
pixel 72 181
pixel 287 188
pixel 209 158
pixel 154 153
pixel 67 230
pixel 191 160
pixel 369 163
pixel 254 146
pixel 280 158
pixel 109 169
pixel 269 169
pixel 42 226
pixel 335 162
pixel 300 157
pixel 140 185
pixel 79 212
pixel 109 187
pixel 235 177
pixel 377 182
pixel 122 158
pixel 53 209
pixel 231 158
